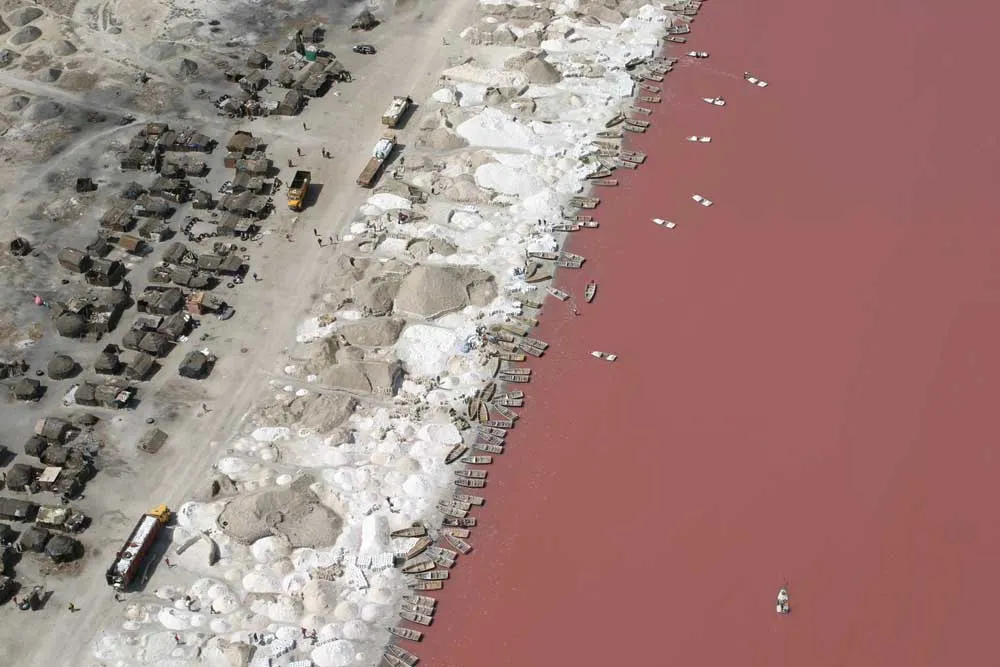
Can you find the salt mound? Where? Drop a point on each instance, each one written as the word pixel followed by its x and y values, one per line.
pixel 63 48
pixel 49 74
pixel 17 102
pixel 444 96
pixel 23 16
pixel 338 653
pixel 443 139
pixel 541 71
pixel 424 349
pixel 44 110
pixel 487 77
pixel 186 68
pixel 319 596
pixel 493 128
pixel 292 511
pixel 375 295
pixel 372 332
pixel 390 202
pixel 356 629
pixel 25 35
pixel 430 291
pixel 269 549
pixel 161 50
pixel 508 179
pixel 346 611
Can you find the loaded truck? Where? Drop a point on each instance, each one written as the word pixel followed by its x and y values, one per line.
pixel 298 189
pixel 381 153
pixel 396 111
pixel 130 558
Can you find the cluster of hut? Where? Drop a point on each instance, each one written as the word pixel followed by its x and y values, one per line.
pixel 306 71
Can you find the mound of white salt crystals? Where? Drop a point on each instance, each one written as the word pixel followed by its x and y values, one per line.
pixel 387 201
pixel 509 179
pixel 444 96
pixel 337 653
pixel 270 549
pixel 493 128
pixel 424 349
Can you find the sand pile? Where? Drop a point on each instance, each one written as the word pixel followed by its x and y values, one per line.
pixel 44 110
pixel 294 513
pixel 63 48
pixel 444 139
pixel 431 291
pixel 374 296
pixel 163 50
pixel 421 249
pixel 365 376
pixel 49 74
pixel 539 70
pixel 17 102
pixel 3 27
pixel 23 16
pixel 373 332
pixel 186 68
pixel 25 35
pixel 602 12
pixel 321 413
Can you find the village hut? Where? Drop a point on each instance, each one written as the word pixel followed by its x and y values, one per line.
pixel 132 191
pixel 242 142
pixel 257 60
pixel 36 446
pixel 53 429
pixel 365 21
pixel 171 300
pixel 55 456
pixel 175 326
pixel 118 218
pixel 99 247
pixel 253 82
pixel 34 538
pixel 21 476
pixel 7 534
pixel 196 365
pixel 73 260
pixel 28 389
pixel 171 170
pixel 176 253
pixel 63 549
pixel 155 344
pixel 86 394
pixel 71 325
pixel 62 367
pixel 132 338
pixel 227 265
pixel 14 509
pixel 152 441
pixel 141 367
pixel 156 231
pixel 108 362
pixel 105 272
pixel 201 200
pixel 19 247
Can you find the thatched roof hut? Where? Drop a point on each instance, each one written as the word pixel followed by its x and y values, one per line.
pixel 63 549
pixel 71 325
pixel 62 367
pixel 196 365
pixel 365 21
pixel 28 389
pixel 34 538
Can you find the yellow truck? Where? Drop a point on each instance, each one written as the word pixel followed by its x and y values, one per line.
pixel 298 189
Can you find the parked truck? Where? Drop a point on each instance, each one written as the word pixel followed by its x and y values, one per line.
pixel 130 558
pixel 298 189
pixel 381 153
pixel 396 111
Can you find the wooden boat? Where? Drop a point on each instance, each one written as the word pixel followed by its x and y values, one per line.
pixel 690 11
pixel 472 411
pixel 422 600
pixel 590 292
pixel 456 532
pixel 468 522
pixel 641 110
pixel 510 402
pixel 504 423
pixel 662 70
pixel 484 413
pixel 652 76
pixel 418 567
pixel 615 121
pixel 678 30
pixel 488 447
pixel 557 293
pixel 445 552
pixel 701 200
pixel 565 227
pixel 454 511
pixel 697 54
pixel 492 430
pixel 478 501
pixel 510 356
pixel 610 134
pixel 477 460
pixel 675 39
pixel 489 391
pixel 652 99
pixel 694 138
pixel 639 123
pixel 412 617
pixel 585 202
pixel 627 165
pixel 649 88
pixel 584 218
pixel 417 608
pixel 638 129
pixel 456 503
pixel 633 156
pixel 455 454
pixel 602 173
pixel 528 303
pixel 632 63
pixel 471 473
pixel 416 530
pixel 488 439
pixel 517 379
pixel 515 328
pixel 425 585
pixel 445 560
pixel 505 412
pixel 390 659
pixel 418 548
pixel 716 101
pixel 435 575
pixel 470 483
pixel 668 60
pixel 754 81
pixel 664 223
pixel 463 547
pixel 606 182
pixel 516 394
pixel 406 633
pixel 402 654
pixel 548 256
pixel 533 351
pixel 607 356
pixel 592 224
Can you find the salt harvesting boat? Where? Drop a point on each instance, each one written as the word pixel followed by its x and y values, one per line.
pixel 649 88
pixel 697 54
pixel 417 585
pixel 638 129
pixel 606 182
pixel 416 530
pixel 406 633
pixel 548 256
pixel 413 617
pixel 487 447
pixel 516 371
pixel 505 355
pixel 427 610
pixel 464 547
pixel 418 567
pixel 701 200
pixel 455 454
pixel 456 532
pixel 701 140
pixel 470 483
pixel 641 110
pixel 448 553
pixel 717 101
pixel 565 227
pixel 422 600
pixel 456 503
pixel 633 156
pixel 590 224
pixel 471 473
pixel 610 134
pixel 584 202
pixel 754 80
pixel 418 548
pixel 492 430
pixel 489 438
pixel 402 654
pixel 665 223
pixel 675 39
pixel 505 412
pixel 607 356
pixel 624 164
pixel 394 661
pixel 468 522
pixel 652 99
pixel 508 402
pixel 533 351
pixel 504 423
pixel 783 606
pixel 452 510
pixel 434 575
pixel 616 120
pixel 478 501
pixel 604 172
pixel 517 379
pixel 583 217
pixel 571 257
pixel 678 29
pixel 477 460
pixel 590 292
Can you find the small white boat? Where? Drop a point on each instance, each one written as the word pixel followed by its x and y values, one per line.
pixel 700 140
pixel 557 293
pixel 590 291
pixel 754 81
pixel 665 223
pixel 607 356
pixel 701 200
pixel 783 606
pixel 717 101
pixel 698 54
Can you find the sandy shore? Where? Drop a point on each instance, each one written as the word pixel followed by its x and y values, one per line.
pixel 803 383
